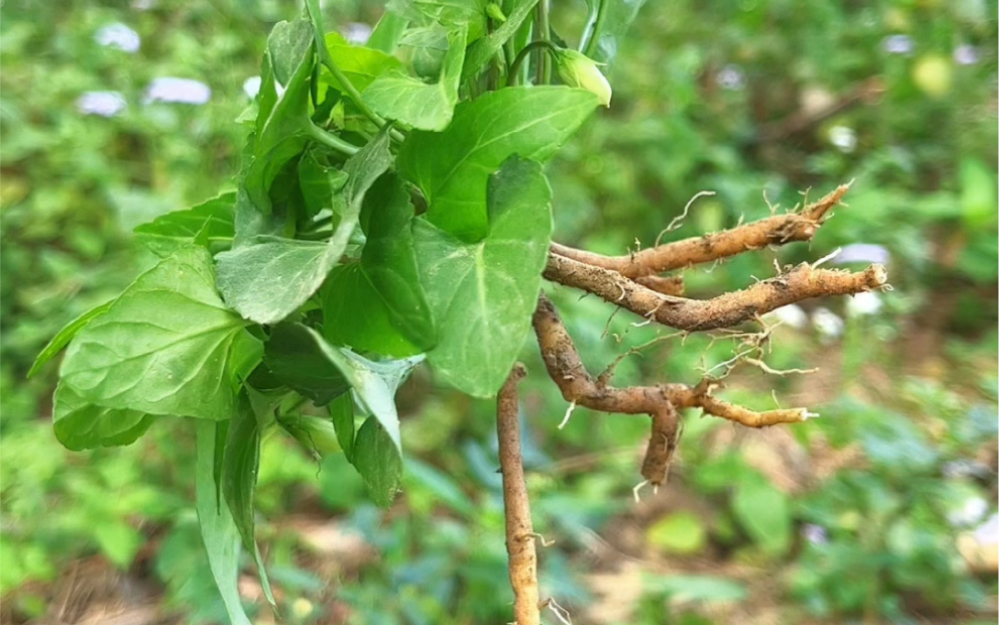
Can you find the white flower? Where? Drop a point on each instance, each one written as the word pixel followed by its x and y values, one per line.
pixel 103 103
pixel 251 86
pixel 971 511
pixel 827 323
pixel 578 70
pixel 966 55
pixel 179 90
pixel 898 44
pixel 118 36
pixel 866 303
pixel 731 77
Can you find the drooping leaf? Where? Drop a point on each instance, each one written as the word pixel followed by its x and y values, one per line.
pixel 396 319
pixel 378 460
pixel 607 25
pixel 80 425
pixel 209 224
pixel 65 335
pixel 764 512
pixel 484 293
pixel 387 32
pixel 163 347
pixel 292 357
pixel 481 51
pixel 270 277
pixel 374 383
pixel 451 167
pixel 342 414
pixel 411 101
pixel 221 538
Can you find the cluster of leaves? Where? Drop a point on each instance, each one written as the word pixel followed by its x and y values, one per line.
pixel 316 281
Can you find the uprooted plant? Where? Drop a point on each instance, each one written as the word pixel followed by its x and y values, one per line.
pixel 392 208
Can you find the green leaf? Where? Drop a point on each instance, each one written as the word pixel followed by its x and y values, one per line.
pixel 680 532
pixel 356 315
pixel 163 347
pixel 425 48
pixel 396 319
pixel 374 383
pixel 218 530
pixel 978 194
pixel 342 415
pixel 241 459
pixel 321 186
pixel 292 356
pixel 484 293
pixel 270 277
pixel 764 512
pixel 409 100
pixel 607 25
pixel 240 463
pixel 361 65
pixel 209 224
pixel 387 32
pixel 480 52
pixel 452 14
pixel 66 335
pixel 283 130
pixel 377 459
pixel 694 588
pixel 79 425
pixel 451 167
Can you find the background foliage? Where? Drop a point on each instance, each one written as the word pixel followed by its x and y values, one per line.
pixel 854 515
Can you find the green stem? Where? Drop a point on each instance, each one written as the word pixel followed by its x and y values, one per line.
pixel 348 87
pixel 330 140
pixel 598 24
pixel 544 75
pixel 524 53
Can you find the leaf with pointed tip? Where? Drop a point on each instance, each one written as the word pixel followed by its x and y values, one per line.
pixel 411 101
pixel 163 347
pixel 387 32
pixel 378 461
pixel 484 293
pixel 270 277
pixel 66 335
pixel 80 425
pixel 451 167
pixel 374 383
pixel 218 531
pixel 209 224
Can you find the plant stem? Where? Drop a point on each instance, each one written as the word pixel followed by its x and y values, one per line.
pixel 512 77
pixel 593 40
pixel 519 531
pixel 544 75
pixel 332 141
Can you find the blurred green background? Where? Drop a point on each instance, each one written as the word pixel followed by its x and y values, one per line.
pixel 882 510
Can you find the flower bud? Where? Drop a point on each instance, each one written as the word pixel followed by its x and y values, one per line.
pixel 578 70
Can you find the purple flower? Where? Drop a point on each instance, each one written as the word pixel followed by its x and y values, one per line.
pixel 103 103
pixel 863 253
pixel 966 55
pixel 815 534
pixel 118 36
pixel 178 90
pixel 731 77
